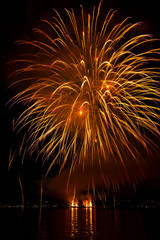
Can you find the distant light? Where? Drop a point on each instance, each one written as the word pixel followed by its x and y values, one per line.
pixel 80 112
pixel 87 204
pixel 74 203
pixel 107 86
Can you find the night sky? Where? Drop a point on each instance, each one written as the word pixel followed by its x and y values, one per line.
pixel 17 18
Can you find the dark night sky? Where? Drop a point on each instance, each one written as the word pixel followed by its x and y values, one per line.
pixel 17 18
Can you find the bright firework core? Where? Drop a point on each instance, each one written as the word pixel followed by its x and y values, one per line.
pixel 80 112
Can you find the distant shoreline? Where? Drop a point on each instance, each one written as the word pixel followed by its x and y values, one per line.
pixel 119 204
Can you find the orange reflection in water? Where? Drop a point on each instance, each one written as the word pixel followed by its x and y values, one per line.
pixel 74 222
pixel 83 222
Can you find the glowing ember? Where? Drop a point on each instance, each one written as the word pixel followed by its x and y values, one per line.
pixel 87 203
pixel 80 112
pixel 74 203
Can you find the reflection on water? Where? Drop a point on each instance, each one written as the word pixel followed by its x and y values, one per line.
pixel 71 223
pixel 79 224
pixel 74 223
pixel 83 219
pixel 89 222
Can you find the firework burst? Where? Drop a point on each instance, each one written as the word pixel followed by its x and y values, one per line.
pixel 92 91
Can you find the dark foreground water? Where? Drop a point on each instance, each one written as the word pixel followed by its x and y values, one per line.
pixel 79 224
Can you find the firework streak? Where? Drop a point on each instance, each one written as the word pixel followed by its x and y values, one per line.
pixel 92 92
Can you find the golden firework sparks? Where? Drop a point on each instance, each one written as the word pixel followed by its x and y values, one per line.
pixel 91 91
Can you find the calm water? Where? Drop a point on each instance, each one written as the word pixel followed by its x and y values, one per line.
pixel 80 224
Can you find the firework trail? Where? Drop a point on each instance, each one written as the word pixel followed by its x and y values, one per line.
pixel 92 92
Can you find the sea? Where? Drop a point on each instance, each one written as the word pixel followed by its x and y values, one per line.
pixel 79 224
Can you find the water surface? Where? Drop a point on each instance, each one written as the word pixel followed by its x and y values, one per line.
pixel 79 224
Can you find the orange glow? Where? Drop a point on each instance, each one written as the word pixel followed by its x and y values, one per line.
pixel 87 204
pixel 74 203
pixel 90 101
pixel 80 112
